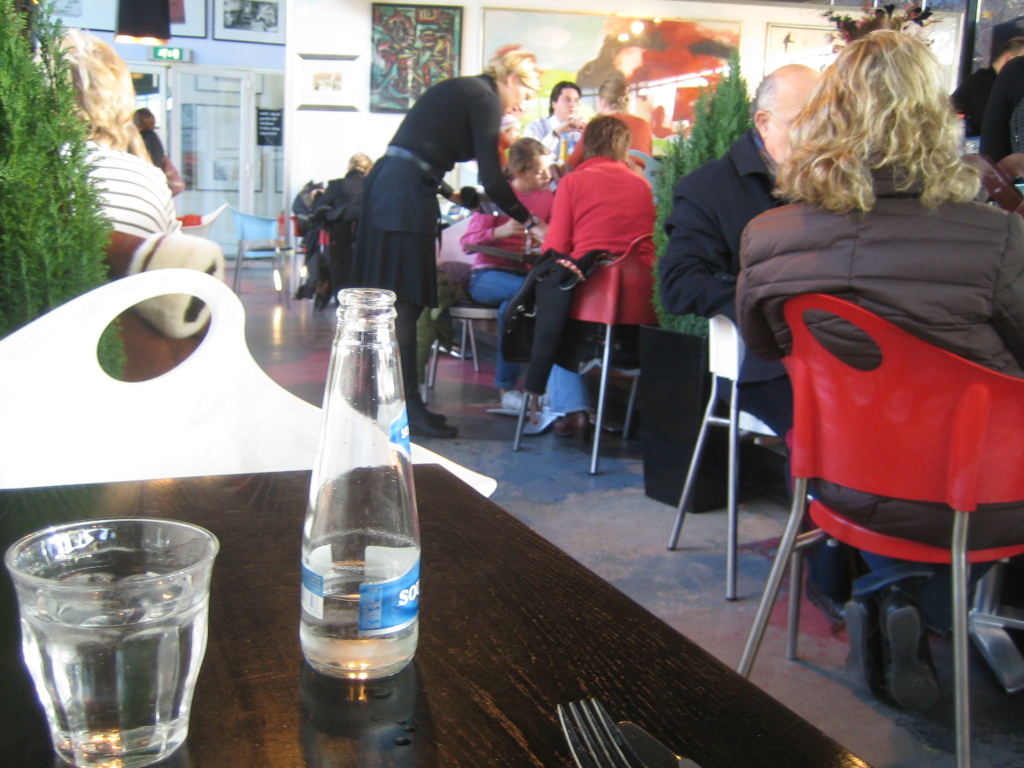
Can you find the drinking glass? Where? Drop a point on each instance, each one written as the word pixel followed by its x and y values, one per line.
pixel 113 626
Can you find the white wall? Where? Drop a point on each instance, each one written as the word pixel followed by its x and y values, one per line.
pixel 318 143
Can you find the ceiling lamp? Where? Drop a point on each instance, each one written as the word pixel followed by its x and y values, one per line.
pixel 147 22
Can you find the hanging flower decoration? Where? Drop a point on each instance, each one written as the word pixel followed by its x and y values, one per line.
pixel 911 18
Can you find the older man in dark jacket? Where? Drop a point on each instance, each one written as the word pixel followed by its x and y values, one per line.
pixel 711 206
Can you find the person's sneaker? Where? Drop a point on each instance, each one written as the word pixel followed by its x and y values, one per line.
pixel 512 400
pixel 909 672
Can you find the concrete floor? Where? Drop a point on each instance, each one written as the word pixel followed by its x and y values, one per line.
pixel 608 524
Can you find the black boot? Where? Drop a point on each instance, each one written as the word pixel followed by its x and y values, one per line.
pixel 865 659
pixel 423 423
pixel 909 671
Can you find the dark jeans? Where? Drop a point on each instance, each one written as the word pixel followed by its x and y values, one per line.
pixel 928 583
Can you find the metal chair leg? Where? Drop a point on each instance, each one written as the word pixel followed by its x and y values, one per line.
pixel 472 344
pixel 602 394
pixel 236 282
pixel 961 680
pixel 691 473
pixel 522 420
pixel 732 493
pixel 796 578
pixel 771 589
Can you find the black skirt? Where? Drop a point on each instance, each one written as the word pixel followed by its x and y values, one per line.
pixel 396 247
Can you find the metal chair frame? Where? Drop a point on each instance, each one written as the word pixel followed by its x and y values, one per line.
pixel 725 358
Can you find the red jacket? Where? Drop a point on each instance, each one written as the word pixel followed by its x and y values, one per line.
pixel 601 205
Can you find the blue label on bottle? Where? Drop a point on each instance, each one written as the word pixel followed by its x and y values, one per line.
pixel 312 593
pixel 387 606
pixel 399 436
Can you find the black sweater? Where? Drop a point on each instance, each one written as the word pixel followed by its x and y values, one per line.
pixel 458 120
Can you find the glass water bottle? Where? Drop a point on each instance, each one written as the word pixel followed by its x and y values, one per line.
pixel 360 542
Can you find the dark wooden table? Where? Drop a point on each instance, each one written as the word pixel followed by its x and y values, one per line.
pixel 503 253
pixel 510 626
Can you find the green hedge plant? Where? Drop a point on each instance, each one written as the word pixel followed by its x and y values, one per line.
pixel 721 116
pixel 53 235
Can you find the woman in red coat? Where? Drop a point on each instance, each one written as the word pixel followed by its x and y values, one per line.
pixel 600 205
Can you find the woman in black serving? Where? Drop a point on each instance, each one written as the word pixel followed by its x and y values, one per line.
pixel 454 121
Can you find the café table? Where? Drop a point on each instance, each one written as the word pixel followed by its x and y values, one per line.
pixel 510 627
pixel 504 253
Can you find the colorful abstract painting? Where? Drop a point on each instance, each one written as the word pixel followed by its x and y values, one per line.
pixel 665 61
pixel 414 46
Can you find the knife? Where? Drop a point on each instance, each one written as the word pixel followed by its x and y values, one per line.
pixel 652 753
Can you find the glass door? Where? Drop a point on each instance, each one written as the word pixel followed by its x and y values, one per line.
pixel 213 119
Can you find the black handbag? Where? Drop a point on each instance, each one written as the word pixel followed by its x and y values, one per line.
pixel 550 281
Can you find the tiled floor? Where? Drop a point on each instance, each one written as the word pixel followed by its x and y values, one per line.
pixel 607 523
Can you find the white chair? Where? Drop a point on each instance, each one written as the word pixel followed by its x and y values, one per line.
pixel 725 356
pixel 206 223
pixel 65 421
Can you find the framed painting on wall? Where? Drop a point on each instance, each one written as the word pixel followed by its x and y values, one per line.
pixel 249 21
pixel 87 14
pixel 814 47
pixel 326 82
pixel 665 62
pixel 414 46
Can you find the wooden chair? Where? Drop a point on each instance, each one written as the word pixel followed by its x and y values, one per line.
pixel 924 425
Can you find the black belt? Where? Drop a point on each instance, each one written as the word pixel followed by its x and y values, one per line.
pixel 412 157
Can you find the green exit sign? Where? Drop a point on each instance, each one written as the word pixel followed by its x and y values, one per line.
pixel 166 53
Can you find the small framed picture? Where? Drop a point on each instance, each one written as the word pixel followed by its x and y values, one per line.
pixel 788 44
pixel 326 82
pixel 249 21
pixel 87 14
pixel 188 18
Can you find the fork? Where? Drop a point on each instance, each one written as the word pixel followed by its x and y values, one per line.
pixel 593 736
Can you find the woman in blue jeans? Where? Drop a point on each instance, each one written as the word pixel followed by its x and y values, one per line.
pixel 496 280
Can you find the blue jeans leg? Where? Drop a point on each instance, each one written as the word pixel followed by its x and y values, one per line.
pixel 566 391
pixel 496 288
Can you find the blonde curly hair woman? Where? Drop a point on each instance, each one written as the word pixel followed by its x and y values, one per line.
pixel 136 196
pixel 885 218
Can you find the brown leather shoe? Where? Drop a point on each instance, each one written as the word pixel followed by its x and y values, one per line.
pixel 575 425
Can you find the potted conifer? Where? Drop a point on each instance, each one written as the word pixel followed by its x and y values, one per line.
pixel 53 236
pixel 674 379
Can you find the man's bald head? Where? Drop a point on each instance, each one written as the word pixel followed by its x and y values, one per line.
pixel 779 99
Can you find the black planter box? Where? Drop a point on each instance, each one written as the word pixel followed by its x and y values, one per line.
pixel 674 387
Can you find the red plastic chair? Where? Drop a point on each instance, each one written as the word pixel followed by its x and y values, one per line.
pixel 617 293
pixel 924 425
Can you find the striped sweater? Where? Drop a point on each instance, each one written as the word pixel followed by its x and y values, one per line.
pixel 135 194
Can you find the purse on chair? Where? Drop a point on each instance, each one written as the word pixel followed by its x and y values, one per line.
pixel 554 269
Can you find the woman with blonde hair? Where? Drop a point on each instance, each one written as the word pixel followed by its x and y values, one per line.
pixel 453 121
pixel 136 196
pixel 883 216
